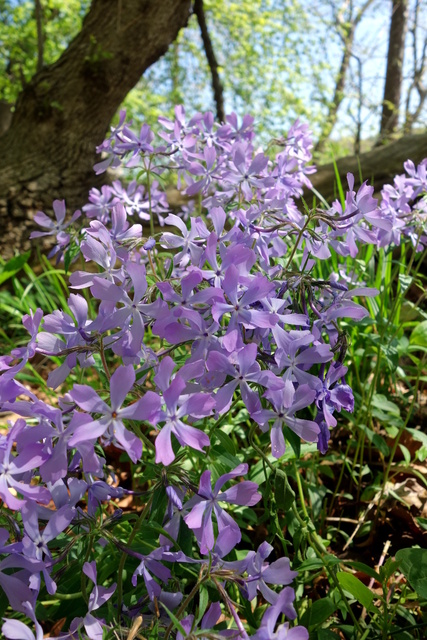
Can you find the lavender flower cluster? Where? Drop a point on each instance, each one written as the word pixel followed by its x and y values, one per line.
pixel 226 305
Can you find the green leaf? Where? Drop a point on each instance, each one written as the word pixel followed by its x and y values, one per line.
pixel 381 402
pixel 13 265
pixel 358 590
pixel 405 282
pixel 283 492
pixel 318 563
pixel 174 619
pixel 360 566
pixel 294 440
pixel 72 251
pixel 226 442
pixel 203 602
pixel 419 335
pixel 413 564
pixel 318 612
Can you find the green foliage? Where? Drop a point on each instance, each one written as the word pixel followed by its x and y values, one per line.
pixel 269 55
pixel 18 38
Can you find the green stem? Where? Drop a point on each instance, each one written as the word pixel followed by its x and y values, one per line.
pixel 318 546
pixel 124 555
pixel 184 605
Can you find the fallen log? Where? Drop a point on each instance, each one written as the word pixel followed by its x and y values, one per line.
pixel 377 166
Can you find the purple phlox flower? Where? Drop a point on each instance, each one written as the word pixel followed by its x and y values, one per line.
pixel 190 245
pixel 244 172
pixel 181 327
pixel 192 297
pixel 100 204
pixel 111 420
pixel 183 136
pixel 16 472
pixel 14 547
pixel 66 494
pixel 209 620
pixel 35 541
pixel 206 501
pixel 99 491
pixel 208 131
pixel 131 315
pixel 50 429
pixel 247 370
pixel 138 201
pixel 120 230
pixel 283 604
pixel 31 322
pixel 11 389
pixel 77 332
pixel 205 168
pixel 279 308
pixel 173 515
pixel 239 307
pixel 334 395
pixel 98 597
pixel 243 258
pixel 298 145
pixel 85 457
pixel 394 214
pixel 177 406
pixel 261 572
pixel 17 630
pixel 55 228
pixel 293 353
pixel 150 565
pixel 104 256
pixel 418 176
pixel 358 208
pixel 286 403
pixel 343 307
pixel 107 147
pixel 18 586
pixel 130 142
pixel 287 181
pixel 245 130
pixel 133 197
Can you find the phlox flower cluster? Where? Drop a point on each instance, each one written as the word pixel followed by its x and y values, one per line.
pixel 223 306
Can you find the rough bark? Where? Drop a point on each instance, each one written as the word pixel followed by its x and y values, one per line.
pixel 394 73
pixel 49 149
pixel 378 166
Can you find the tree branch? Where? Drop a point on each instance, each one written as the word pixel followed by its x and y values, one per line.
pixel 217 87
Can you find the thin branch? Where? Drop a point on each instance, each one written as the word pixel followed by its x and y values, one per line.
pixel 217 87
pixel 348 40
pixel 40 35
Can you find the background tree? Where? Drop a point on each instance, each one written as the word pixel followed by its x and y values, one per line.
pixel 394 73
pixel 270 58
pixel 65 109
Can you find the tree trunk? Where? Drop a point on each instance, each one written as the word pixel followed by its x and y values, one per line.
pixel 378 166
pixel 394 73
pixel 64 112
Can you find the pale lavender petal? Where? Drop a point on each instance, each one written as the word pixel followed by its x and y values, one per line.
pixel 242 493
pixel 121 383
pixel 164 451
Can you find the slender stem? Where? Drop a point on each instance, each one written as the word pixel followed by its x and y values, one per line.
pixel 123 558
pixel 103 360
pixel 318 546
pixel 186 602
